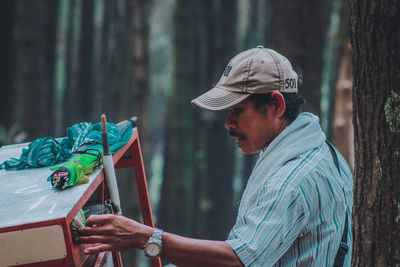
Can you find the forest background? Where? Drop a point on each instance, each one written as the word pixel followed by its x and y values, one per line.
pixel 67 61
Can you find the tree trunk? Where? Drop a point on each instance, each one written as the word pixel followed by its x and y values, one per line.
pixel 343 130
pixel 106 19
pixel 298 31
pixel 176 204
pixel 60 67
pixel 257 25
pixel 74 95
pixel 219 147
pixel 337 36
pixel 81 110
pixel 203 45
pixel 34 67
pixel 139 33
pixel 256 34
pixel 7 18
pixel 131 69
pixel 375 38
pixel 199 167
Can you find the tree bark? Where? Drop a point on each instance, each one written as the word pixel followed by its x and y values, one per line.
pixel 375 38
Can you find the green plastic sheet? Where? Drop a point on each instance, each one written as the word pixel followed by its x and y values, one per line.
pixel 79 152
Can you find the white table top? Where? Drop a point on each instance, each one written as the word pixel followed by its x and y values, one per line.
pixel 27 197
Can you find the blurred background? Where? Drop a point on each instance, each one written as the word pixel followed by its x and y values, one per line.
pixel 68 61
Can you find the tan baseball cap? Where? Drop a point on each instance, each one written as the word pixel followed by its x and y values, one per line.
pixel 254 71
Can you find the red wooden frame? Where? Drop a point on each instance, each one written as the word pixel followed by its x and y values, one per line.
pixel 135 160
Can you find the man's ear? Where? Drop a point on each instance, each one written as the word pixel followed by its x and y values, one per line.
pixel 278 104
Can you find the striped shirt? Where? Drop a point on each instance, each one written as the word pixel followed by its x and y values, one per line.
pixel 293 214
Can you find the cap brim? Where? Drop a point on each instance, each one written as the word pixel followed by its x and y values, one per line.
pixel 218 99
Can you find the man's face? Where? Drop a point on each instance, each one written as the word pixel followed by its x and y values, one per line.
pixel 252 129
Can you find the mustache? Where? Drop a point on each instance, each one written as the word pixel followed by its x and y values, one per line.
pixel 233 133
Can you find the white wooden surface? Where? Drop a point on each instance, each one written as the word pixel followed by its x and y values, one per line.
pixel 27 197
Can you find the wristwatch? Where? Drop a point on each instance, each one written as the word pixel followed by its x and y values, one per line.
pixel 153 247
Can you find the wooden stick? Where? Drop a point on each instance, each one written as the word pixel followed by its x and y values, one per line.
pixel 104 135
pixel 109 170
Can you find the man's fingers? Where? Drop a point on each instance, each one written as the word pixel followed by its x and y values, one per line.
pixel 98 230
pixel 96 249
pixel 98 219
pixel 94 239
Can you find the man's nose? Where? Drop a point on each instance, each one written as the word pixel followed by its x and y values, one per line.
pixel 229 123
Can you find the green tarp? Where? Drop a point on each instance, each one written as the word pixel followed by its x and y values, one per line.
pixel 80 152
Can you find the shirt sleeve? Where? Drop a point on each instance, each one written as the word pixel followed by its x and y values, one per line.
pixel 267 229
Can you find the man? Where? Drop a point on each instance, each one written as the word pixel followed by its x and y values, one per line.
pixel 294 208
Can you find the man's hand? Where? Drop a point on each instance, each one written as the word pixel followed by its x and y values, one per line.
pixel 116 233
pixel 113 232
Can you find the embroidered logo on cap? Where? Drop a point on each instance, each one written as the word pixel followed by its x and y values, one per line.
pixel 227 70
pixel 290 83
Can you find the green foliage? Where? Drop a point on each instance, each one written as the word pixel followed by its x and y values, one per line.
pixel 392 112
pixel 379 170
pixel 398 213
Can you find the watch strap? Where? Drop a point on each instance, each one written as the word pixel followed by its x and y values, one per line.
pixel 157 236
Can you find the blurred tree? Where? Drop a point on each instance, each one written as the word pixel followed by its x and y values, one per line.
pixel 203 45
pixel 107 33
pixel 257 25
pixel 375 38
pixel 133 89
pixel 34 67
pixel 343 130
pixel 7 20
pixel 160 66
pixel 176 203
pixel 335 52
pixel 140 33
pixel 79 60
pixel 60 65
pixel 215 205
pixel 70 61
pixel 197 189
pixel 94 61
pixel 255 34
pixel 68 58
pixel 137 52
pixel 298 30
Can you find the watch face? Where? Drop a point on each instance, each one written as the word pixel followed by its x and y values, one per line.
pixel 153 249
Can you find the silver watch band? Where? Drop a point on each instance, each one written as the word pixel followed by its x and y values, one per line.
pixel 157 235
pixel 153 247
